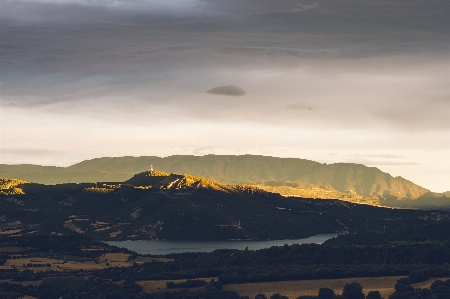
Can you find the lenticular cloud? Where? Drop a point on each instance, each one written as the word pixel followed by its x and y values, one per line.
pixel 227 90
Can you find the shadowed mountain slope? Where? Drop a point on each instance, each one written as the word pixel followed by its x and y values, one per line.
pixel 158 205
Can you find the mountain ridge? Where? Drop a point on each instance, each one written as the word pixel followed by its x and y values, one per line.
pixel 254 169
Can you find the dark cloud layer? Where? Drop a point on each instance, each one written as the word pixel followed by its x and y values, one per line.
pixel 227 90
pixel 151 37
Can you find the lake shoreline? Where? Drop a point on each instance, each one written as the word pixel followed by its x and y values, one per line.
pixel 162 247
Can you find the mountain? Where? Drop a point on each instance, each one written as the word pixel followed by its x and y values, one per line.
pixel 250 169
pixel 158 205
pixel 173 181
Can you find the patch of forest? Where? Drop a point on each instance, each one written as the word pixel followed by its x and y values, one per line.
pixel 198 210
pixel 340 258
pixel 97 288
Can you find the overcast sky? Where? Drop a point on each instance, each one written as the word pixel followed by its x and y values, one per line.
pixel 331 81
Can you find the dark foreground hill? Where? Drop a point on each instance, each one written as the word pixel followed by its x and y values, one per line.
pixel 158 205
pixel 289 176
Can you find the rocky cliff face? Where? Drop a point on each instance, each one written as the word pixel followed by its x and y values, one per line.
pixel 165 181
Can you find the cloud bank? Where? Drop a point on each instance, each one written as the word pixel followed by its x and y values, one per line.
pixel 119 77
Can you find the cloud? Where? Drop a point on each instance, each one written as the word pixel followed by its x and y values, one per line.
pixel 28 152
pixel 374 74
pixel 227 90
pixel 202 151
pixel 389 156
pixel 301 106
pixel 367 162
pixel 304 7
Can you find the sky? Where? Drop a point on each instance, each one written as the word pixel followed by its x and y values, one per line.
pixel 331 81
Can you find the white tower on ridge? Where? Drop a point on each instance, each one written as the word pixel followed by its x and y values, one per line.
pixel 150 172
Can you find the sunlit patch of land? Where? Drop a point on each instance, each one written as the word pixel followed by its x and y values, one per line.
pixel 160 285
pixel 98 190
pixel 11 186
pixel 37 263
pixel 115 234
pixel 42 264
pixel 314 191
pixel 28 259
pixel 10 232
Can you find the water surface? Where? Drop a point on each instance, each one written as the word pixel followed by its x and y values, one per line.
pixel 166 247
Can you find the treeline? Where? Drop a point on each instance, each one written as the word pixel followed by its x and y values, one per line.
pixel 393 253
pixel 437 231
pixel 69 288
pixel 352 254
pixel 295 262
pixel 286 273
pixel 70 243
pixel 80 288
pixel 438 290
pixel 3 258
pixel 403 290
pixel 98 288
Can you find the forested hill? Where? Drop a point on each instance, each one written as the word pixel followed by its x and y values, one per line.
pixel 250 169
pixel 157 205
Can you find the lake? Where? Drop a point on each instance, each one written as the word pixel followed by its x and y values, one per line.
pixel 166 247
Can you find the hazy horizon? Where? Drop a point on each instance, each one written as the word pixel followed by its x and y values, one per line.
pixel 328 81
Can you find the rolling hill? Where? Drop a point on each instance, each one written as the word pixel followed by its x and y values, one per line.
pixel 158 205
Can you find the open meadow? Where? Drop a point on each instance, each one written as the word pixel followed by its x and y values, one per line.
pixel 43 263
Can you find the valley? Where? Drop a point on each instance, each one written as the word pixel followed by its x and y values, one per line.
pixel 52 239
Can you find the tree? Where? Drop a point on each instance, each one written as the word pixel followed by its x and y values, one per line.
pixel 326 293
pixel 374 295
pixel 353 290
pixel 278 296
pixel 399 287
pixel 260 296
